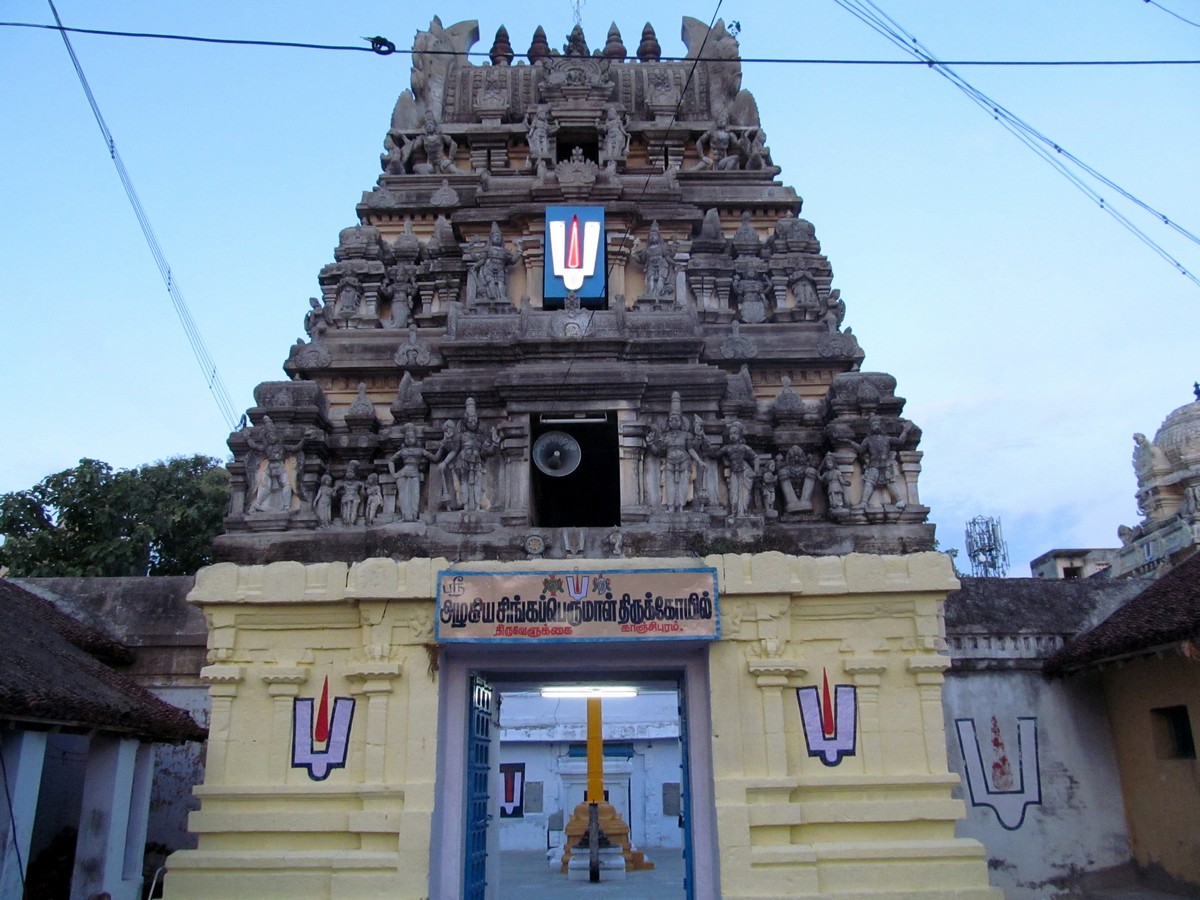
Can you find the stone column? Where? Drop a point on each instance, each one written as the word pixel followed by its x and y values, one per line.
pixel 620 245
pixel 867 673
pixel 377 680
pixel 773 675
pixel 112 818
pixel 283 684
pixel 24 753
pixel 533 257
pixel 223 680
pixel 634 503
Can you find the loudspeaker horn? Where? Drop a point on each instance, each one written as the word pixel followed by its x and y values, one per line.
pixel 556 453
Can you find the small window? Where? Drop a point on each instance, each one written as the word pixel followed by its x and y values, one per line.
pixel 1172 729
pixel 670 796
pixel 1073 572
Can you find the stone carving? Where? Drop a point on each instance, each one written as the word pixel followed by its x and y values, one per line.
pixel 539 47
pixel 538 132
pixel 750 289
pixel 758 154
pixel 318 319
pixel 797 478
pixel 571 321
pixel 739 388
pixel 437 148
pixel 835 483
pixel 834 311
pixel 374 499
pixel 710 227
pixel 273 492
pixel 649 50
pixel 718 148
pixel 413 353
pixel 742 463
pixel 409 402
pixel 576 44
pixel 350 491
pixel 614 139
pixel 466 449
pixel 501 53
pixel 435 53
pixel 719 50
pixel 323 502
pixel 614 47
pixel 349 295
pixel 614 542
pixel 878 454
pixel 488 278
pixel 658 261
pixel 676 444
pixel 309 356
pixel 806 300
pixel 411 456
pixel 576 170
pixel 767 486
pixel 492 99
pixel 399 288
pixel 362 405
pixel 738 346
pixel 444 195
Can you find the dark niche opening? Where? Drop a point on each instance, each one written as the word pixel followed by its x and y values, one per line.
pixel 590 494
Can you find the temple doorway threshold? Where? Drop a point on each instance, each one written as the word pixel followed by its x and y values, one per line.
pixel 504 807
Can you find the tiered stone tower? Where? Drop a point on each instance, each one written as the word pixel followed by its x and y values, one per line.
pixel 702 374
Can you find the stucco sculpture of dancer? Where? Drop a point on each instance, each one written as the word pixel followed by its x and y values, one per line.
pixel 675 444
pixel 274 494
pixel 373 506
pixel 614 141
pixel 439 149
pixel 797 478
pixel 350 490
pixel 411 456
pixel 659 264
pixel 767 486
pixel 719 148
pixel 470 448
pixel 743 469
pixel 878 453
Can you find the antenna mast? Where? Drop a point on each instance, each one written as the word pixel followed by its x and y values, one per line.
pixel 986 548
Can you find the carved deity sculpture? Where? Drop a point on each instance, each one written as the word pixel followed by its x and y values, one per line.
pixel 797 478
pixel 411 456
pixel 719 148
pixel 878 453
pixel 490 270
pixel 323 502
pixel 399 287
pixel 614 139
pixel 767 486
pixel 469 448
pixel 438 148
pixel 539 130
pixel 804 290
pixel 350 490
pixel 374 499
pixel 757 152
pixel 834 311
pixel 835 482
pixel 348 294
pixel 743 468
pixel 659 264
pixel 676 444
pixel 274 494
pixel 751 292
pixel 317 320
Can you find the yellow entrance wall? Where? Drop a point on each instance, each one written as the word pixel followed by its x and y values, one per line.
pixel 879 824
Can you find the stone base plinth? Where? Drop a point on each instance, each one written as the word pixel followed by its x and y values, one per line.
pixel 614 828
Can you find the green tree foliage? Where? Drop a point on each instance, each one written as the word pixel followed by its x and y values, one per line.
pixel 157 519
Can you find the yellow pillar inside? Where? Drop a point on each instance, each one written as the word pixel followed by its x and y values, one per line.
pixel 595 751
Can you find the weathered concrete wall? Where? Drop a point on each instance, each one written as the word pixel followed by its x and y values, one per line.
pixel 857 802
pixel 1158 788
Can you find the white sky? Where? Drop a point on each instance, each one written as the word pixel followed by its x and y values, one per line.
pixel 1030 333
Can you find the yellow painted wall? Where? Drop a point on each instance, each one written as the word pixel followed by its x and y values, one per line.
pixel 881 823
pixel 1162 796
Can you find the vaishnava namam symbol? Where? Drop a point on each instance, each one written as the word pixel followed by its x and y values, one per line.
pixel 333 734
pixel 830 722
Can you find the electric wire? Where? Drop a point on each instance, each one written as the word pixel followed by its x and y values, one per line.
pixel 1050 151
pixel 1172 12
pixel 383 47
pixel 207 366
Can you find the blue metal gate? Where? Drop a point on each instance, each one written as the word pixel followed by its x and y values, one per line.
pixel 479 773
pixel 685 796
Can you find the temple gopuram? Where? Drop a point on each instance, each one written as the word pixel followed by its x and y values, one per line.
pixel 581 347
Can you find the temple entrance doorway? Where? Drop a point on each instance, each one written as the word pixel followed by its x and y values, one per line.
pixel 513 770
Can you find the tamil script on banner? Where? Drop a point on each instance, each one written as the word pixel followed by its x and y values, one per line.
pixel 559 605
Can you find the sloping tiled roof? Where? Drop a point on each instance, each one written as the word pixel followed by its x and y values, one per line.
pixel 1165 613
pixel 52 673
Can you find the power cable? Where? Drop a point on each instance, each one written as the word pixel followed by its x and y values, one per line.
pixel 383 47
pixel 1171 12
pixel 1049 150
pixel 207 366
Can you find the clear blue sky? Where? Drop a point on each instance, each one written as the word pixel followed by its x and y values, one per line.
pixel 1031 334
